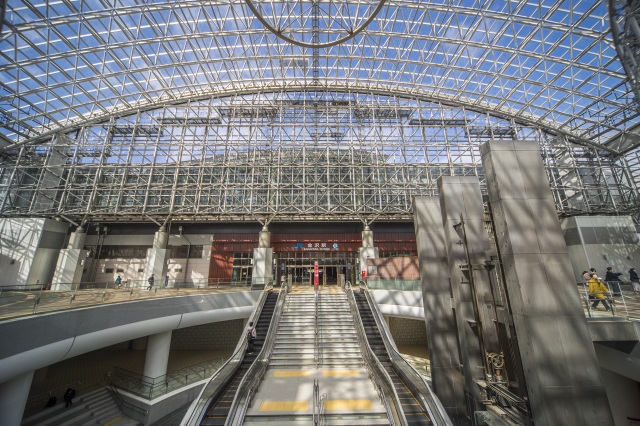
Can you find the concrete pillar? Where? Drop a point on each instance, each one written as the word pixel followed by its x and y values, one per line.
pixel 263 259
pixel 367 251
pixel 71 262
pixel 447 377
pixel 158 346
pixel 561 370
pixel 13 398
pixel 156 261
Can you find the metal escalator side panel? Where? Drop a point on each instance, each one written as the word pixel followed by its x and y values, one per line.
pixel 405 371
pixel 223 376
pixel 379 375
pixel 254 375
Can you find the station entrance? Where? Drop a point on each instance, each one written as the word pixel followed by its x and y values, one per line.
pixel 299 266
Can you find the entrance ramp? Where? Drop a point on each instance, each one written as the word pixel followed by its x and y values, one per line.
pixel 316 348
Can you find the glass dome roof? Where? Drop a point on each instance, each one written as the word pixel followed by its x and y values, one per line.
pixel 68 63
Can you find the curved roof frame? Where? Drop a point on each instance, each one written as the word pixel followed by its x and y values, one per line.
pixel 69 64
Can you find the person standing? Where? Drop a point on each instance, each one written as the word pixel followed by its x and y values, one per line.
pixel 613 279
pixel 251 337
pixel 151 280
pixel 68 397
pixel 598 290
pixel 166 281
pixel 635 280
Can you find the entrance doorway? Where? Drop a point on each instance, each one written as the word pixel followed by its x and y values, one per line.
pixel 299 266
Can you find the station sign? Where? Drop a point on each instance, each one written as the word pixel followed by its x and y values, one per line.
pixel 316 246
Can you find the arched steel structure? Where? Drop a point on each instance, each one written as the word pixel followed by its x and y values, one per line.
pixel 89 90
pixel 551 64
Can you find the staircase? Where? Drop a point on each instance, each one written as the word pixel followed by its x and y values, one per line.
pixel 298 346
pixel 95 408
pixel 414 412
pixel 316 345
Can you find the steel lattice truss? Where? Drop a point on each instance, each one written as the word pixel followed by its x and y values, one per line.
pixel 550 64
pixel 287 156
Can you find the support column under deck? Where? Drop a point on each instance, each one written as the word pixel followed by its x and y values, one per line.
pixel 13 398
pixel 157 358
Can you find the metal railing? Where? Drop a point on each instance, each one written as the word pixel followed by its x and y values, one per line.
pixel 411 377
pixel 318 404
pixel 394 284
pixel 622 303
pixel 378 374
pixel 154 387
pixel 124 405
pixel 32 299
pixel 316 346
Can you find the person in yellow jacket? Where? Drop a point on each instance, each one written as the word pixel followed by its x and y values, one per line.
pixel 599 291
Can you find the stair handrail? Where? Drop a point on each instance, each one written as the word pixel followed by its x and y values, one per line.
pixel 316 345
pixel 318 404
pixel 158 386
pixel 249 384
pixel 120 401
pixel 221 377
pixel 411 377
pixel 378 374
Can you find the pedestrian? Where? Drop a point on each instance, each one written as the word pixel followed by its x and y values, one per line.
pixel 613 279
pixel 585 276
pixel 118 281
pixel 166 281
pixel 635 281
pixel 598 290
pixel 251 337
pixel 151 280
pixel 68 396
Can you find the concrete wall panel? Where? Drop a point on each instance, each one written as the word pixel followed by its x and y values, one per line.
pixel 557 354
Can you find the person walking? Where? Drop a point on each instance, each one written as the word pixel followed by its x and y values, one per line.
pixel 598 290
pixel 118 281
pixel 251 337
pixel 151 280
pixel 613 279
pixel 68 397
pixel 635 281
pixel 166 281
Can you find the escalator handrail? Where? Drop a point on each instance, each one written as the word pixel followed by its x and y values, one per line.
pixel 412 378
pixel 220 378
pixel 251 380
pixel 381 378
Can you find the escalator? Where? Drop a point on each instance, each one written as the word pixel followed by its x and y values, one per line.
pixel 218 410
pixel 414 411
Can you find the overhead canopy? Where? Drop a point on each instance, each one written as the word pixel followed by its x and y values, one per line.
pixel 552 64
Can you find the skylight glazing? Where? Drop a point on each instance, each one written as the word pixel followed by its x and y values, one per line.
pixel 551 64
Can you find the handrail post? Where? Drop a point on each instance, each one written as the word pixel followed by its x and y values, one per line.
pixel 37 301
